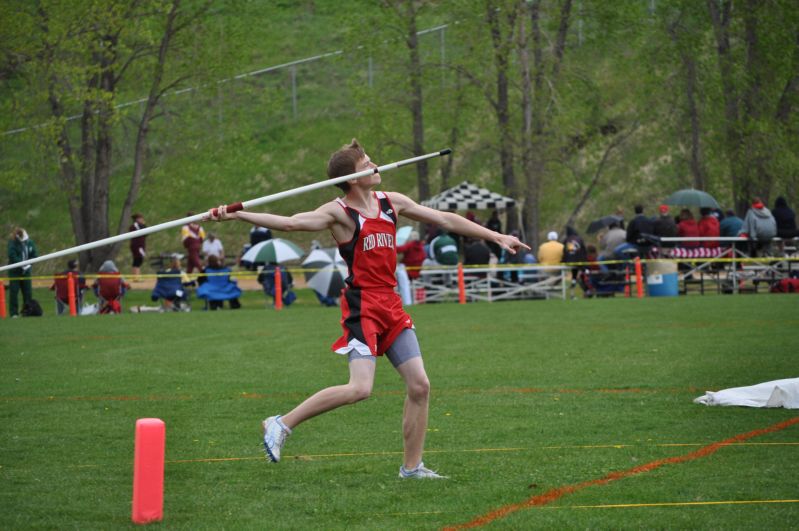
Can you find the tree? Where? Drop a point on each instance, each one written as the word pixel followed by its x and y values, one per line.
pixel 81 58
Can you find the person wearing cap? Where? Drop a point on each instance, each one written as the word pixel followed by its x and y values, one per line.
pixel 759 226
pixel 20 249
pixel 137 245
pixel 550 252
pixel 664 226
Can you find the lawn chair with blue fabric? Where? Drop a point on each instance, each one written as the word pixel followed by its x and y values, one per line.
pixel 171 287
pixel 218 287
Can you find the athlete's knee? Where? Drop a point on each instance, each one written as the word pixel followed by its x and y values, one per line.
pixel 359 391
pixel 419 388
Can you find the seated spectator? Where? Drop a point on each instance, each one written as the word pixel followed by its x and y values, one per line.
pixel 551 252
pixel 759 226
pixel 592 257
pixel 664 226
pixel 709 227
pixel 785 218
pixel 109 288
pixel 687 228
pixel 730 226
pixel 170 286
pixel 61 288
pixel 267 279
pixel 218 286
pixel 443 249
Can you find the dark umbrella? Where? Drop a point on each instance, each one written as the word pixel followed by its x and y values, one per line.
pixel 691 198
pixel 601 223
pixel 326 271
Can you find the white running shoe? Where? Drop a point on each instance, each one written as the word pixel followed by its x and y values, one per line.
pixel 275 434
pixel 420 472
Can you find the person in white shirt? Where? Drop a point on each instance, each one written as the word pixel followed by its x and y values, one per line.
pixel 213 246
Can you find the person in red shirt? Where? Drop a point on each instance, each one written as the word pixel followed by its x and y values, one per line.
pixel 709 227
pixel 373 321
pixel 687 228
pixel 412 255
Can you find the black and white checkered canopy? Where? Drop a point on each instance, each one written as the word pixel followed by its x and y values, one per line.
pixel 467 196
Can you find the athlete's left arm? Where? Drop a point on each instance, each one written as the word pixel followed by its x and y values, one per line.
pixel 450 222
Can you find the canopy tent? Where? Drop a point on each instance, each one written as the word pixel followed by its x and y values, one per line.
pixel 467 196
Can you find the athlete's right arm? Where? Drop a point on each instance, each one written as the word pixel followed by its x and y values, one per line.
pixel 324 217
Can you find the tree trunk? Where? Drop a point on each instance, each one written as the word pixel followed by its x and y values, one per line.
pixel 417 106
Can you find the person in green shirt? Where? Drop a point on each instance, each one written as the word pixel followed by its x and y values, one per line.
pixel 20 248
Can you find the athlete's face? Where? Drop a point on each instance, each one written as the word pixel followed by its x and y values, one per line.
pixel 367 164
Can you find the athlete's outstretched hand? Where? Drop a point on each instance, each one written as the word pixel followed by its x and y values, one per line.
pixel 221 214
pixel 511 243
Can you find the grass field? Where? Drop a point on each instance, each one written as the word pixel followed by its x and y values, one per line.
pixel 533 405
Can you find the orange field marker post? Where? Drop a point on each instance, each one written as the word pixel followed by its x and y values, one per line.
pixel 278 289
pixel 73 308
pixel 627 279
pixel 148 471
pixel 461 285
pixel 2 298
pixel 639 278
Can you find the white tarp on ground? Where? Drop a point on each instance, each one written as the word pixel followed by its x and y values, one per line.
pixel 779 393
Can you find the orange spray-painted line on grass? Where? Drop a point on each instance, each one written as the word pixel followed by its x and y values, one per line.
pixel 556 493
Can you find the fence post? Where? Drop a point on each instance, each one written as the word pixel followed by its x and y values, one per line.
pixel 2 298
pixel 639 281
pixel 278 289
pixel 461 285
pixel 73 311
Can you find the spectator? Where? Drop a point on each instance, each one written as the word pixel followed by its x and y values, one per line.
pixel 664 226
pixel 213 247
pixel 730 226
pixel 218 286
pixel 785 218
pixel 170 286
pixel 574 250
pixel 259 234
pixel 551 252
pixel 20 249
pixel 688 228
pixel 476 253
pixel 638 229
pixel 759 226
pixel 109 288
pixel 592 257
pixel 61 287
pixel 412 255
pixel 495 224
pixel 709 227
pixel 137 245
pixel 512 275
pixel 267 279
pixel 192 235
pixel 614 237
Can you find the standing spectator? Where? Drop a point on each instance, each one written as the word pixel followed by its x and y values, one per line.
pixel 614 237
pixel 259 234
pixel 192 235
pixel 476 253
pixel 494 224
pixel 213 247
pixel 61 287
pixel 20 249
pixel 574 251
pixel 444 249
pixel 551 252
pixel 664 226
pixel 137 245
pixel 730 226
pixel 785 218
pixel 709 227
pixel 638 228
pixel 759 226
pixel 412 255
pixel 688 228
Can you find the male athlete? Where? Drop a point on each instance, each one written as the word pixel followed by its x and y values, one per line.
pixel 373 321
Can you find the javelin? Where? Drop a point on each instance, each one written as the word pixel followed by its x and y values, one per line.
pixel 233 207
